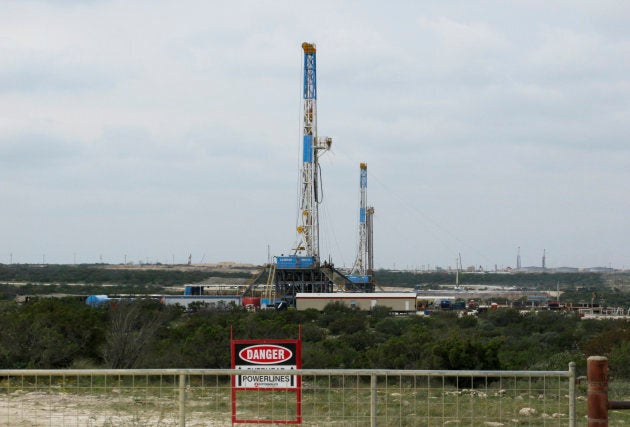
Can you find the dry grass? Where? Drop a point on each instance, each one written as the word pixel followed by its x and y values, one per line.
pixel 326 401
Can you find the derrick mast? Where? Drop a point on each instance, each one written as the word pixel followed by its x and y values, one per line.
pixel 363 268
pixel 370 241
pixel 312 145
pixel 302 271
pixel 360 264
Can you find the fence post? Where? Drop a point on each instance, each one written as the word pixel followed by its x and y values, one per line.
pixel 373 408
pixel 597 376
pixel 572 409
pixel 182 400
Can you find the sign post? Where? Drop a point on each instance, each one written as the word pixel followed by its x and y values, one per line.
pixel 267 355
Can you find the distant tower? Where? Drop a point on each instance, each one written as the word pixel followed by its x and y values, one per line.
pixel 360 264
pixel 363 270
pixel 544 260
pixel 518 259
pixel 458 265
pixel 370 239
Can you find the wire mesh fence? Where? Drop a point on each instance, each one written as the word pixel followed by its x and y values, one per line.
pixel 325 398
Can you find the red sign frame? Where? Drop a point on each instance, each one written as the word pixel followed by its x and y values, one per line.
pixel 288 353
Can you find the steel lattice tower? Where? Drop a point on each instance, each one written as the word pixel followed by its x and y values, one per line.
pixel 312 145
pixel 360 267
pixel 302 271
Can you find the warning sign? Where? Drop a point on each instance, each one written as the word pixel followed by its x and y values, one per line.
pixel 260 361
pixel 266 381
pixel 266 354
pixel 257 355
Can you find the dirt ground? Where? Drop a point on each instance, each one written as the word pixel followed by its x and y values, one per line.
pixel 38 409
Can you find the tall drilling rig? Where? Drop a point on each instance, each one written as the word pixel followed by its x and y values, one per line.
pixel 313 147
pixel 362 273
pixel 302 270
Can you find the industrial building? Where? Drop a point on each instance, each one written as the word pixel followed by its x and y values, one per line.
pixel 398 302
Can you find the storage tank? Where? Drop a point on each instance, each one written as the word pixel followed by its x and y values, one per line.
pixel 94 300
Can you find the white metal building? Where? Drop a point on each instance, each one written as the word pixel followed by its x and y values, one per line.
pixel 397 301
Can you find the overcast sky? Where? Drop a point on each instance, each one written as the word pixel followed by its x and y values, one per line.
pixel 151 130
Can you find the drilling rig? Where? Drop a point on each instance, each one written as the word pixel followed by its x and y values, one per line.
pixel 362 274
pixel 313 147
pixel 302 270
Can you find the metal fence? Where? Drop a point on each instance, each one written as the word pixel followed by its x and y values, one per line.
pixel 199 397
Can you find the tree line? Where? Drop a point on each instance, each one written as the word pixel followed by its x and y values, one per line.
pixel 100 274
pixel 539 280
pixel 66 333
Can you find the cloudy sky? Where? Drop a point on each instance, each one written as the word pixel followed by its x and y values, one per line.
pixel 151 130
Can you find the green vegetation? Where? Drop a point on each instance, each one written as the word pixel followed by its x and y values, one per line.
pixel 89 279
pixel 541 281
pixel 100 274
pixel 63 333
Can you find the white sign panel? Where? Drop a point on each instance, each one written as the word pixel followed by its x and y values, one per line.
pixel 268 357
pixel 270 380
